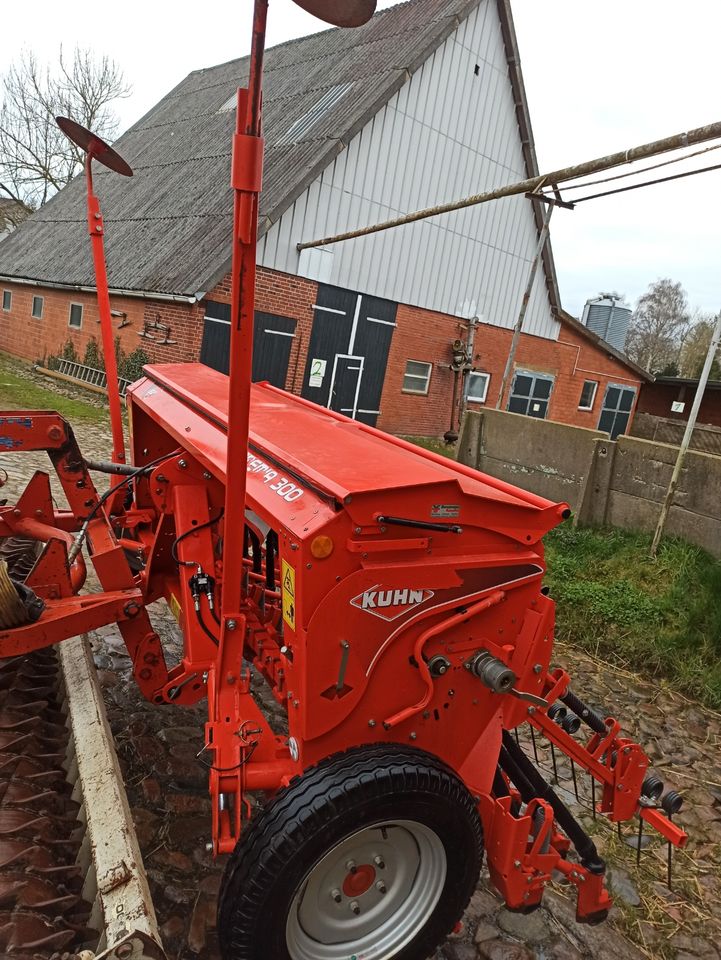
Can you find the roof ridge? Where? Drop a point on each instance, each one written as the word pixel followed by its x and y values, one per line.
pixel 298 40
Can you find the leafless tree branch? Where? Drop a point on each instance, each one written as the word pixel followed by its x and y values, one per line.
pixel 36 159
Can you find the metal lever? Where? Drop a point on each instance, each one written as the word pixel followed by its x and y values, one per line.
pixel 529 697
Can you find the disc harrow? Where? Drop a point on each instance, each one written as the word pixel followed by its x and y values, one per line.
pixel 51 877
pixel 42 909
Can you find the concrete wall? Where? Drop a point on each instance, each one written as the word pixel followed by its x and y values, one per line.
pixel 548 458
pixel 706 438
pixel 616 483
pixel 638 483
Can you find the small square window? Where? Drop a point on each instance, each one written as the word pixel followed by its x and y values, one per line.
pixel 478 387
pixel 38 303
pixel 7 300
pixel 76 315
pixel 417 377
pixel 588 395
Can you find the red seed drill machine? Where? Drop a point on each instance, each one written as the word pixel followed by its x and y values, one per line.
pixel 391 599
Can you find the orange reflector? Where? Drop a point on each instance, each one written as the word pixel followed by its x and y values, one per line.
pixel 321 547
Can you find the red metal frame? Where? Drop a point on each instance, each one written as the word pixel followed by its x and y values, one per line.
pixel 96 229
pixel 276 545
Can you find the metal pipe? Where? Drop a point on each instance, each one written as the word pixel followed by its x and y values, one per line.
pixel 700 389
pixel 542 238
pixel 96 229
pixel 245 229
pixel 533 184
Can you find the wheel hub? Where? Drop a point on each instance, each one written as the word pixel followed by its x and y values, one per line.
pixel 359 880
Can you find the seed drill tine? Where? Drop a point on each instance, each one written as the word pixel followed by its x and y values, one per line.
pixel 535 748
pixel 640 837
pixel 575 782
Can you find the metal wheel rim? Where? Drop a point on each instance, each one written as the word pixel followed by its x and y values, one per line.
pixel 406 857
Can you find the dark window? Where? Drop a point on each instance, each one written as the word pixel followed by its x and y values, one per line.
pixel 38 307
pixel 530 394
pixel 588 395
pixel 417 377
pixel 76 315
pixel 616 410
pixel 7 300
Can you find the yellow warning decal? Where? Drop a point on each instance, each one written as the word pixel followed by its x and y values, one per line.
pixel 288 575
pixel 175 607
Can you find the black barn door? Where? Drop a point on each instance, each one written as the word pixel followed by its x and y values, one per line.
pixel 272 343
pixel 215 348
pixel 348 352
pixel 273 338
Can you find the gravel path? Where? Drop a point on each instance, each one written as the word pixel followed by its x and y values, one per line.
pixel 167 788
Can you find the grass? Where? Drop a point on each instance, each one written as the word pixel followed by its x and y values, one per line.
pixel 661 617
pixel 18 390
pixel 434 445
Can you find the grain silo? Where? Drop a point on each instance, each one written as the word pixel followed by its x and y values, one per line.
pixel 609 318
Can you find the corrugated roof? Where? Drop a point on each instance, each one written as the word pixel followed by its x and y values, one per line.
pixel 603 345
pixel 168 229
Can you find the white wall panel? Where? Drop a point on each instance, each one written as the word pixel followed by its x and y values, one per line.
pixel 446 134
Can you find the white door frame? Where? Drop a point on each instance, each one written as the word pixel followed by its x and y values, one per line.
pixel 347 356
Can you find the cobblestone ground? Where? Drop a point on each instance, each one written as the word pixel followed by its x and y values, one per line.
pixel 167 790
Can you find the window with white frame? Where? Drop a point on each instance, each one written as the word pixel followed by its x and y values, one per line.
pixel 417 377
pixel 478 387
pixel 75 319
pixel 38 303
pixel 7 300
pixel 588 395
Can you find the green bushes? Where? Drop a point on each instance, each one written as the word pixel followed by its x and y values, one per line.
pixel 130 365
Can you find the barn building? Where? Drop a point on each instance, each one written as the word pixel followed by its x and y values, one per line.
pixel 422 105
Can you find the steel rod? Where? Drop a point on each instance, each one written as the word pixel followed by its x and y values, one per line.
pixel 518 328
pixel 677 141
pixel 96 230
pixel 700 390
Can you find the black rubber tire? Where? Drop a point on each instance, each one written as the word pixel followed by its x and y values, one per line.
pixel 321 808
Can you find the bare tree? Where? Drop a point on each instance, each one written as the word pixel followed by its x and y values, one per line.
pixel 36 159
pixel 695 347
pixel 658 326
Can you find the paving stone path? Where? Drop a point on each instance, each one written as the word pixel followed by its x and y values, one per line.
pixel 166 785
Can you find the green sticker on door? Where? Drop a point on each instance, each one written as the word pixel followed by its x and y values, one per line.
pixel 317 373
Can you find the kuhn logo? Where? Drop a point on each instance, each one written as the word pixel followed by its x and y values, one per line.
pixel 390 604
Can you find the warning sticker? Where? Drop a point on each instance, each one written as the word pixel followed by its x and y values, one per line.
pixel 288 575
pixel 175 607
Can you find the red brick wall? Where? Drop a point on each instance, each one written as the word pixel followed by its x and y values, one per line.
pixel 427 336
pixel 420 335
pixel 24 336
pixel 285 296
pixel 656 398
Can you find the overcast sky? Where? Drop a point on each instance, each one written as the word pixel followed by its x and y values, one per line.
pixel 600 76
